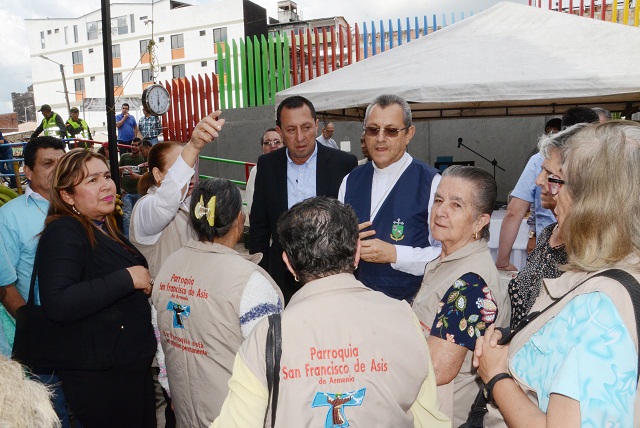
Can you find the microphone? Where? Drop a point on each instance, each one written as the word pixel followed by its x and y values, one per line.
pixel 459 142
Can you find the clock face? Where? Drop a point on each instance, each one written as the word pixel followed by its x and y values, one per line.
pixel 156 99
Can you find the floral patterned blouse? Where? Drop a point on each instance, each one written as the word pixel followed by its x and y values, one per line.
pixel 465 311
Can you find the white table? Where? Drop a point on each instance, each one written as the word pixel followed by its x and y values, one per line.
pixel 519 250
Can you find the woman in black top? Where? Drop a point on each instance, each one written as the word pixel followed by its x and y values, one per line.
pixel 86 270
pixel 549 254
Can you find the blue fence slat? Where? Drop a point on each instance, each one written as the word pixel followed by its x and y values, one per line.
pixel 399 32
pixel 390 32
pixel 374 48
pixel 435 25
pixel 382 34
pixel 365 40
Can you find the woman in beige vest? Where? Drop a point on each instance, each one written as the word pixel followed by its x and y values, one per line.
pixel 461 293
pixel 208 299
pixel 576 364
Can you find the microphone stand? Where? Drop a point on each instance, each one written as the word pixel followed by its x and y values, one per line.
pixel 493 162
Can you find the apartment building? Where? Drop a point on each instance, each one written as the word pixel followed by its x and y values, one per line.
pixel 185 36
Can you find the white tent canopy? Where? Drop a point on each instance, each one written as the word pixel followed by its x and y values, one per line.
pixel 510 60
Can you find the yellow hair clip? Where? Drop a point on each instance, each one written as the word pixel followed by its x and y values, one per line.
pixel 209 210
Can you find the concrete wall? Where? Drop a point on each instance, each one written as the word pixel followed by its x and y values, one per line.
pixel 507 140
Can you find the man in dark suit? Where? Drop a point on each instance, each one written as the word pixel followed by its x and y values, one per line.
pixel 301 170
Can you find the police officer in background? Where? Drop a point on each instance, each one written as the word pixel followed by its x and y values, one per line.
pixel 52 124
pixel 78 128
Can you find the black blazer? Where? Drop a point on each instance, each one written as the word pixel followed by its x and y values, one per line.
pixel 76 281
pixel 270 201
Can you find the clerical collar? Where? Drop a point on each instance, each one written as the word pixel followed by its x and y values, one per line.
pixel 394 167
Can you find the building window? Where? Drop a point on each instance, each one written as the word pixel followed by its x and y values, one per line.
pixel 160 39
pixel 117 79
pixel 94 29
pixel 92 78
pixel 119 25
pixel 76 56
pixel 115 51
pixel 220 35
pixel 142 18
pixel 146 76
pixel 48 32
pixel 90 50
pixel 57 31
pixel 177 41
pixel 178 71
pixel 41 39
pixel 66 35
pixel 79 84
pixel 163 69
pixel 75 34
pixel 133 23
pixel 203 32
pixel 143 45
pixel 203 63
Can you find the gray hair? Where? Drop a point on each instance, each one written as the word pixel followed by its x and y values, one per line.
pixel 24 402
pixel 388 100
pixel 485 190
pixel 558 141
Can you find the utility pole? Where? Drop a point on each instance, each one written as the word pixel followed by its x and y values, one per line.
pixel 64 82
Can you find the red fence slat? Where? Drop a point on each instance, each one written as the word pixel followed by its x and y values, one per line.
pixel 201 92
pixel 302 61
pixel 189 101
pixel 315 34
pixel 177 130
pixel 349 45
pixel 309 54
pixel 294 58
pixel 358 43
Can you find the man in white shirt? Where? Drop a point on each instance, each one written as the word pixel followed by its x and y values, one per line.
pixel 325 138
pixel 394 215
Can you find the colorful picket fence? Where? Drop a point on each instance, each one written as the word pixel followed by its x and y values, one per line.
pixel 623 12
pixel 252 70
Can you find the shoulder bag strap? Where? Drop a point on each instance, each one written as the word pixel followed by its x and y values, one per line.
pixel 272 360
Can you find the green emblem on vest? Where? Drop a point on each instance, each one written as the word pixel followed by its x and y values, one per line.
pixel 397 230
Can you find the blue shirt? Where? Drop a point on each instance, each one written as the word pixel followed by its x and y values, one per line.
pixel 527 190
pixel 21 220
pixel 301 179
pixel 126 131
pixel 585 353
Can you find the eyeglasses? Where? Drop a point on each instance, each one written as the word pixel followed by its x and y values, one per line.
pixel 273 143
pixel 374 131
pixel 554 184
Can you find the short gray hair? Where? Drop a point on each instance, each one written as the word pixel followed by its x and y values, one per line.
pixel 387 100
pixel 558 141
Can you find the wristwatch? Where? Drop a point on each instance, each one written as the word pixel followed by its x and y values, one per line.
pixel 487 389
pixel 532 234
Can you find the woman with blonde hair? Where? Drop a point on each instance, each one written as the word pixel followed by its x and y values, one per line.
pixel 574 362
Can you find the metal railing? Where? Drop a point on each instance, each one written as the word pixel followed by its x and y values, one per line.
pixel 247 168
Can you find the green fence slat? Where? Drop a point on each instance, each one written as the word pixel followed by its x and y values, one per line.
pixel 265 69
pixel 278 64
pixel 251 74
pixel 236 74
pixel 229 76
pixel 273 71
pixel 287 67
pixel 258 62
pixel 243 64
pixel 220 71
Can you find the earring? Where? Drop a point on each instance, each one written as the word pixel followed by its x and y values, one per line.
pixel 296 279
pixel 475 236
pixel 355 267
pixel 75 210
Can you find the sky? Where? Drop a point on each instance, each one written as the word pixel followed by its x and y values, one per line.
pixel 15 71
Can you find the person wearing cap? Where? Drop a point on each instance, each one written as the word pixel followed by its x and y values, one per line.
pixel 78 128
pixel 52 124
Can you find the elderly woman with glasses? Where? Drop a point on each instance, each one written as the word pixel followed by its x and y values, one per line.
pixel 270 142
pixel 461 292
pixel 575 363
pixel 351 356
pixel 549 254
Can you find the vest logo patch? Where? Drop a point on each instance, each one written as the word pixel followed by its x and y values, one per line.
pixel 336 403
pixel 180 312
pixel 397 230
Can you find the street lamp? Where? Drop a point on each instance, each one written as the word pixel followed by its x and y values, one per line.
pixel 64 81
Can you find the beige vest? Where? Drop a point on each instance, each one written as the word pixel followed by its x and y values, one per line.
pixel 173 237
pixel 554 289
pixel 207 280
pixel 348 353
pixel 457 396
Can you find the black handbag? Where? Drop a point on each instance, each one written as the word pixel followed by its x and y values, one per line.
pixel 272 360
pixel 44 345
pixel 479 406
